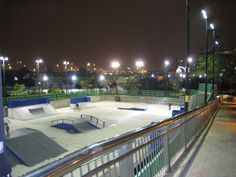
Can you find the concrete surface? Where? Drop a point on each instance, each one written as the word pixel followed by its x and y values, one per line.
pixel 216 157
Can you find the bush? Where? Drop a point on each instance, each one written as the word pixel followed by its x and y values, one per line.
pixel 54 90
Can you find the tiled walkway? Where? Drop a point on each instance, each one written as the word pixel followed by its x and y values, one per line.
pixel 217 156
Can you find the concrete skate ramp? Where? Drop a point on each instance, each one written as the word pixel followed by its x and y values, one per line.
pixel 74 126
pixel 37 111
pixel 31 147
pixel 31 112
pixel 84 126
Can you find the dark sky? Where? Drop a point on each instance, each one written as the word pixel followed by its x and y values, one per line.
pixel 101 30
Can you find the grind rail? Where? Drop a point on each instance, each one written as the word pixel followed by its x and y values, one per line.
pixel 148 151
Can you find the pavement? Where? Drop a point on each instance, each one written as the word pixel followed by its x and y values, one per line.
pixel 217 155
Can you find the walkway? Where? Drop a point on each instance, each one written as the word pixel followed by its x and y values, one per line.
pixel 217 155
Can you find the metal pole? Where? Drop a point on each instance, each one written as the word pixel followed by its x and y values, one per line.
pixel 187 92
pixel 5 168
pixel 4 78
pixel 206 64
pixel 213 67
pixel 39 84
pixel 66 78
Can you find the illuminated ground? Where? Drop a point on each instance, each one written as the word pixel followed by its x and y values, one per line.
pixel 119 122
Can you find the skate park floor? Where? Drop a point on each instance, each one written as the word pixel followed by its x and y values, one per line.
pixel 118 121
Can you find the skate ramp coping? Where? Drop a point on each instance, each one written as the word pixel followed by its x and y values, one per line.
pixel 30 147
pixel 133 108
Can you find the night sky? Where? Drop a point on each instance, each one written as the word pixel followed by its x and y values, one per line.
pixel 101 30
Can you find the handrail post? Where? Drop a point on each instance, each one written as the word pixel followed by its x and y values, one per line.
pixel 167 152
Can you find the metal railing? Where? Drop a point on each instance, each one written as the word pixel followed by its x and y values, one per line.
pixel 148 151
pixel 96 92
pixel 94 120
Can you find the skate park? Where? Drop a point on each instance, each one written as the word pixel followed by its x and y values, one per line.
pixel 73 127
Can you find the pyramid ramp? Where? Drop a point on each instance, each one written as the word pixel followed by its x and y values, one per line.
pixel 31 147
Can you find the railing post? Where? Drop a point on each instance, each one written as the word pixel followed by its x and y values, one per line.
pixel 185 138
pixel 167 152
pixel 126 165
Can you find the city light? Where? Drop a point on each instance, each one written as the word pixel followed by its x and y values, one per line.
pixel 38 61
pixel 115 64
pixel 139 64
pixel 216 42
pixel 166 63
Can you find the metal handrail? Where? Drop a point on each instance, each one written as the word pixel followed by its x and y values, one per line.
pixel 97 120
pixel 76 159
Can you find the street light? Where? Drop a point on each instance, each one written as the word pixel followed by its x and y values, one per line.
pixel 166 63
pixel 190 60
pixel 115 65
pixel 45 79
pixel 38 62
pixel 66 63
pixel 4 59
pixel 73 78
pixel 204 14
pixel 187 90
pixel 101 77
pixel 213 58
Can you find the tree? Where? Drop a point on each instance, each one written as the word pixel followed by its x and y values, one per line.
pixel 19 90
pixel 224 68
pixel 89 82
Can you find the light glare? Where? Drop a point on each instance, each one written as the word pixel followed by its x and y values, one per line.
pixel 204 14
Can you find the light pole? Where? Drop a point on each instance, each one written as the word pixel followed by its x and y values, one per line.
pixel 115 65
pixel 38 62
pixel 204 14
pixel 45 79
pixel 213 58
pixel 66 63
pixel 4 59
pixel 187 90
pixel 73 78
pixel 166 63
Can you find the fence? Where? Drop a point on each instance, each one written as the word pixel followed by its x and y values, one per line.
pixel 61 96
pixel 149 151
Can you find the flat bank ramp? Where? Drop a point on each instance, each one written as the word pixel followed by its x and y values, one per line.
pixel 73 126
pixel 31 147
